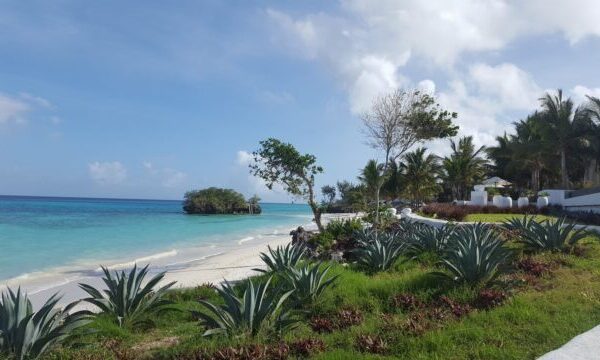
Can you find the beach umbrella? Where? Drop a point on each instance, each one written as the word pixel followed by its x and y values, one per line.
pixel 497 182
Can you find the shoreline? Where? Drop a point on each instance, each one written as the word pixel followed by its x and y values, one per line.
pixel 232 262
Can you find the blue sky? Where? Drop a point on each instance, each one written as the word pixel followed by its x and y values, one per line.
pixel 148 99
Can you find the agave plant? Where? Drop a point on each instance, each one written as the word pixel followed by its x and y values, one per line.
pixel 379 251
pixel 546 235
pixel 255 309
pixel 26 334
pixel 431 239
pixel 308 282
pixel 475 254
pixel 282 258
pixel 126 298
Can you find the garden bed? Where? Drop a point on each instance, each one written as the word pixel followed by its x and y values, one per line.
pixel 405 312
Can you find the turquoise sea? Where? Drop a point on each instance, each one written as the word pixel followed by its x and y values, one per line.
pixel 39 234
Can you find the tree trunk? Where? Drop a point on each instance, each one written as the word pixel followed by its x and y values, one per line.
pixel 563 169
pixel 535 179
pixel 314 207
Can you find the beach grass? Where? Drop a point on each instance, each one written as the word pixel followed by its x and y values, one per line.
pixel 538 317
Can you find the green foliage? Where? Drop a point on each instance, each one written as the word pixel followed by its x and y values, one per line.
pixel 329 193
pixel 419 176
pixel 308 282
pixel 218 201
pixel 26 334
pixel 464 167
pixel 277 162
pixel 323 240
pixel 282 258
pixel 546 235
pixel 126 299
pixel 379 251
pixel 475 255
pixel 431 239
pixel 256 309
pixel 341 228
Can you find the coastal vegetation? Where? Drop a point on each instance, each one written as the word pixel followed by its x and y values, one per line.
pixel 219 201
pixel 466 291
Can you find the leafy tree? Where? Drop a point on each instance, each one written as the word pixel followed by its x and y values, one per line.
pixel 372 177
pixel 328 192
pixel 464 166
pixel 420 176
pixel 277 162
pixel 561 128
pixel 393 186
pixel 399 120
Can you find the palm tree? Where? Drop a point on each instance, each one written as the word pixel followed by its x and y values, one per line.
pixel 373 176
pixel 464 167
pixel 561 128
pixel 392 186
pixel 420 176
pixel 592 140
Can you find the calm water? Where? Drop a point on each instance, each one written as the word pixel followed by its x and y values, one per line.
pixel 37 233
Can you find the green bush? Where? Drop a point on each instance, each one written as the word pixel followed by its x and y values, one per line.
pixel 546 235
pixel 308 282
pixel 218 201
pixel 322 241
pixel 343 228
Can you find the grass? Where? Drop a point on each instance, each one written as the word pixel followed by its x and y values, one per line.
pixel 538 317
pixel 503 217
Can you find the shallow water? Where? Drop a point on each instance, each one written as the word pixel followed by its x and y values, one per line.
pixel 38 234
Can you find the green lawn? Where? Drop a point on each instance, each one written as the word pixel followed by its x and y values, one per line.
pixel 540 315
pixel 502 217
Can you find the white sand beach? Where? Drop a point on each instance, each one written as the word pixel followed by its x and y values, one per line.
pixel 233 264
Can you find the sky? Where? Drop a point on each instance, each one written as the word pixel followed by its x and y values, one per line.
pixel 149 99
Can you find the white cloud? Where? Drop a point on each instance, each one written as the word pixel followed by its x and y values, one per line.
pixel 107 173
pixel 168 177
pixel 13 109
pixel 275 98
pixel 366 45
pixel 579 93
pixel 244 158
pixel 514 87
pixel 37 100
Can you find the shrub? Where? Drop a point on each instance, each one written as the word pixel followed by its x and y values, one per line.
pixel 322 325
pixel 454 212
pixel 26 334
pixel 475 254
pixel 489 298
pixel 348 317
pixel 539 236
pixel 343 228
pixel 322 241
pixel 246 314
pixel 533 267
pixel 282 258
pixel 125 299
pixel 307 347
pixel 407 302
pixel 371 343
pixel 308 282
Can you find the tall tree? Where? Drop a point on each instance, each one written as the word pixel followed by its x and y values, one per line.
pixel 420 176
pixel 464 166
pixel 277 162
pixel 529 149
pixel 561 131
pixel 328 192
pixel 372 176
pixel 399 120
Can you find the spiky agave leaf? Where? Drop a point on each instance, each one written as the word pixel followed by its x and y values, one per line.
pixel 27 334
pixel 379 251
pixel 431 239
pixel 126 298
pixel 255 309
pixel 282 258
pixel 475 254
pixel 308 282
pixel 546 235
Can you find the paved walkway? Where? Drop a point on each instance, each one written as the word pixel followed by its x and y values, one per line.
pixel 585 346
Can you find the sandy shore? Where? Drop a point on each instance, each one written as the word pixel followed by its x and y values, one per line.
pixel 234 263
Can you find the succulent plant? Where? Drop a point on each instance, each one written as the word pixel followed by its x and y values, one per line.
pixel 282 257
pixel 308 282
pixel 126 298
pixel 546 235
pixel 475 254
pixel 28 334
pixel 248 313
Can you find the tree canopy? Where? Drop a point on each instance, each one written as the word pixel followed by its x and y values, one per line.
pixel 215 200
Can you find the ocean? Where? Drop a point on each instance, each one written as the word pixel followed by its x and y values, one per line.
pixel 42 234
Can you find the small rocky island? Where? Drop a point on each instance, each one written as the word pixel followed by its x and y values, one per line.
pixel 215 200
